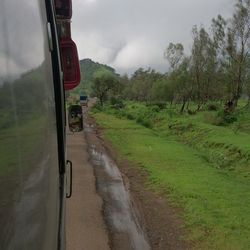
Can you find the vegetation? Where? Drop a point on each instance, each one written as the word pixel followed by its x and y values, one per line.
pixel 217 69
pixel 88 68
pixel 199 166
pixel 190 128
pixel 104 81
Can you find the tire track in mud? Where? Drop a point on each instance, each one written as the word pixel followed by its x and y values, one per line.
pixel 121 215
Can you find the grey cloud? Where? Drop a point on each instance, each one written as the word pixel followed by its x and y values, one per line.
pixel 134 33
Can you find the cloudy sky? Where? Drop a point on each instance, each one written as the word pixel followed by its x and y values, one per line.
pixel 128 34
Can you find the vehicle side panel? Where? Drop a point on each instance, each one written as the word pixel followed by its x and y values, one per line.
pixel 29 172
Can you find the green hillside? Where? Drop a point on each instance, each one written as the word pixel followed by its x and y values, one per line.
pixel 88 68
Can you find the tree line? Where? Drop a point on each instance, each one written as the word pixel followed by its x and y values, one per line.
pixel 217 68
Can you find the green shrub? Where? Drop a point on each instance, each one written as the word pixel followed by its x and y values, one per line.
pixel 97 107
pixel 160 105
pixel 191 112
pixel 214 119
pixel 144 122
pixel 212 106
pixel 171 112
pixel 130 117
pixel 116 102
pixel 120 113
pixel 221 118
pixel 228 117
pixel 155 108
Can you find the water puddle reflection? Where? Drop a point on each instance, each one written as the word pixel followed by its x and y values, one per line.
pixel 121 213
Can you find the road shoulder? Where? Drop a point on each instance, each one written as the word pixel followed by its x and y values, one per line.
pixel 85 227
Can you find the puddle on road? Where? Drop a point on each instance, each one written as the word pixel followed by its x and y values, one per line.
pixel 120 213
pixel 87 129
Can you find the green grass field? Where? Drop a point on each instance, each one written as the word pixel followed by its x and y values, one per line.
pixel 201 168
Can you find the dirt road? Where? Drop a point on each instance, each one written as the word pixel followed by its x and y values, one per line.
pixel 111 207
pixel 85 227
pixel 100 214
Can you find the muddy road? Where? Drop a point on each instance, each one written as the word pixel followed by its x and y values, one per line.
pixel 110 207
pixel 100 205
pixel 85 227
pixel 120 211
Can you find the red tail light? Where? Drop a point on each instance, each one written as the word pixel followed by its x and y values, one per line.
pixel 70 64
pixel 63 9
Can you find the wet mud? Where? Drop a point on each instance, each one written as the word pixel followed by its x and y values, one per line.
pixel 121 215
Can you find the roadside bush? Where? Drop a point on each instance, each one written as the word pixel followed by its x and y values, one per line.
pixel 120 113
pixel 230 118
pixel 214 119
pixel 227 117
pixel 160 105
pixel 130 117
pixel 144 122
pixel 212 106
pixel 116 103
pixel 97 107
pixel 191 112
pixel 171 112
pixel 155 109
pixel 180 128
pixel 221 118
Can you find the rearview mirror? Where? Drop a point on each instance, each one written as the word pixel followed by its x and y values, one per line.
pixel 75 118
pixel 70 64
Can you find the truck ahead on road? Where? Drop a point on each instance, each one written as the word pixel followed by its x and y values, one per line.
pixel 84 100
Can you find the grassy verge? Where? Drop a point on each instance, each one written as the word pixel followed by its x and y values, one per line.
pixel 214 198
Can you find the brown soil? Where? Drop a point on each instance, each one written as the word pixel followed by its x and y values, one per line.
pixel 85 227
pixel 163 227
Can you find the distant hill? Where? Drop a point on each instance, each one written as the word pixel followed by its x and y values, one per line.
pixel 88 69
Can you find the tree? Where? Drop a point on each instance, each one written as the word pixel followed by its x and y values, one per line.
pixel 202 63
pixel 103 82
pixel 220 74
pixel 174 54
pixel 142 83
pixel 238 48
pixel 179 76
pixel 163 90
pixel 184 86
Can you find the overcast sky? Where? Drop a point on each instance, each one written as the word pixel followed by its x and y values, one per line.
pixel 128 34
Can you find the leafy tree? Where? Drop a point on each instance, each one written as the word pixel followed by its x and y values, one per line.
pixel 182 86
pixel 174 54
pixel 125 84
pixel 238 48
pixel 163 90
pixel 202 63
pixel 104 82
pixel 142 82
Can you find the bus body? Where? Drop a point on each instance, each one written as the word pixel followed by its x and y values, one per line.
pixel 32 127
